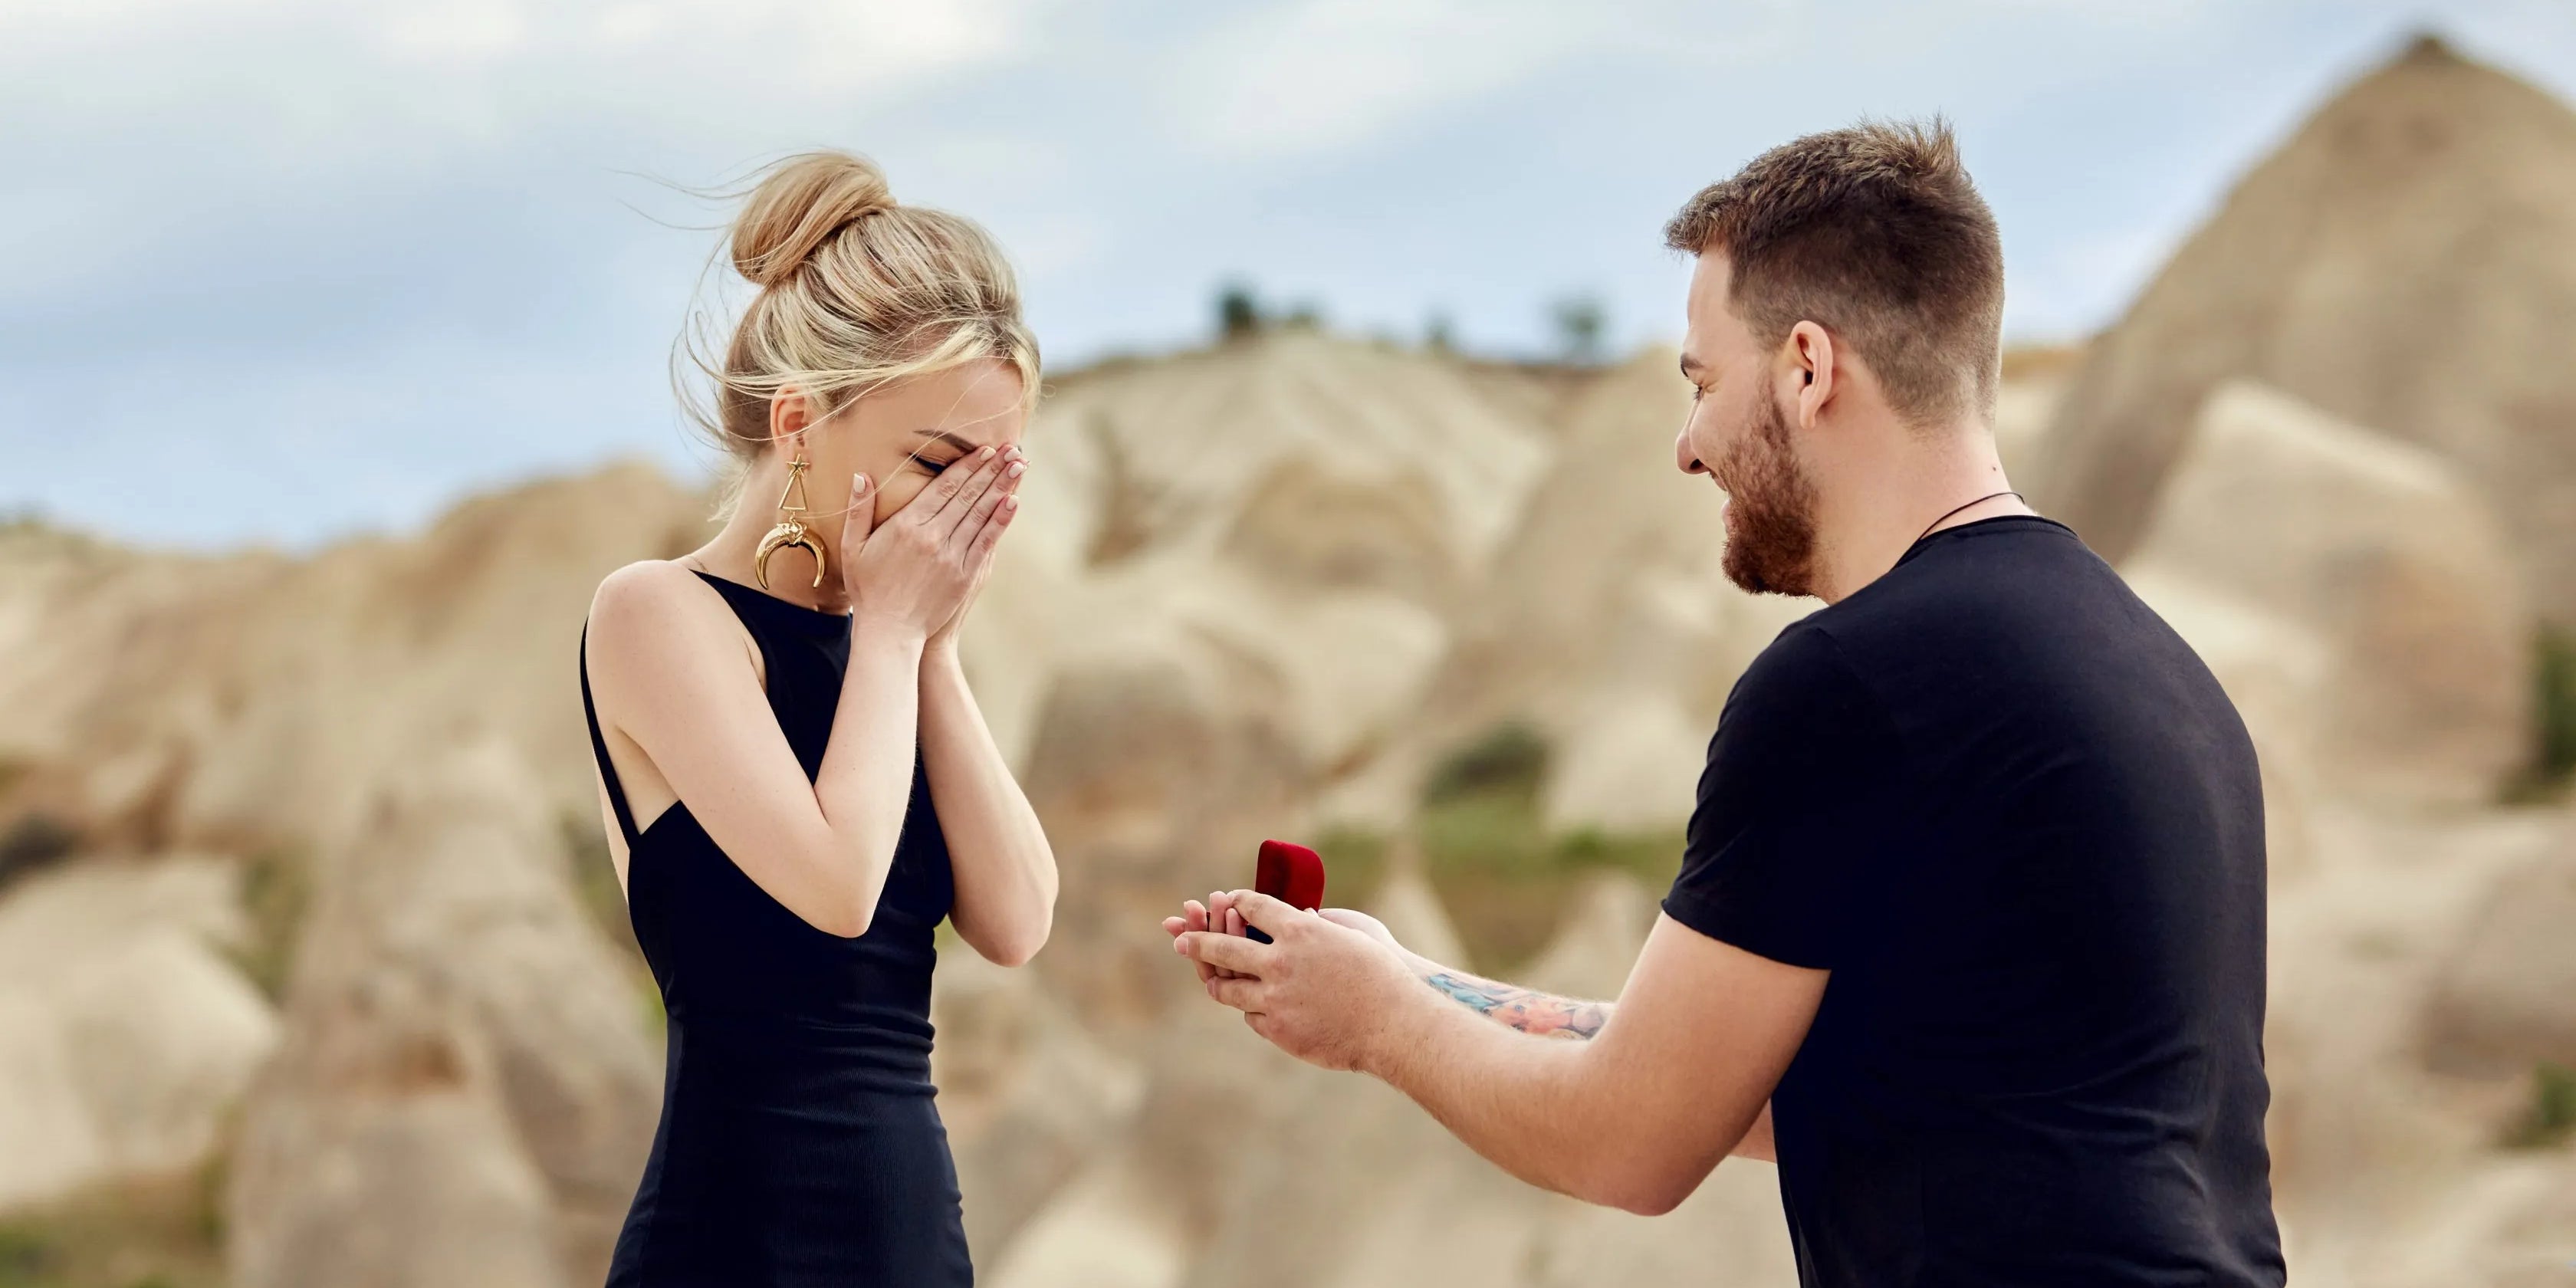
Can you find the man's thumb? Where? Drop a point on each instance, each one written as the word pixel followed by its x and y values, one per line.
pixel 1262 910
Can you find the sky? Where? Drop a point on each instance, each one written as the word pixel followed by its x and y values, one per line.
pixel 280 271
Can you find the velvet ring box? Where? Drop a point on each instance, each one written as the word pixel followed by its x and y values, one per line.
pixel 1290 873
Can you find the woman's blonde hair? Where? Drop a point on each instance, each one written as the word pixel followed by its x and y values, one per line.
pixel 855 292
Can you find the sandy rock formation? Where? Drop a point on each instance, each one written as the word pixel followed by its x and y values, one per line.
pixel 2388 1161
pixel 468 1086
pixel 1310 510
pixel 283 690
pixel 2406 261
pixel 126 1035
pixel 1231 590
pixel 281 693
pixel 1597 945
pixel 2378 629
pixel 2505 996
pixel 1151 788
pixel 1610 623
pixel 1028 1096
pixel 1410 909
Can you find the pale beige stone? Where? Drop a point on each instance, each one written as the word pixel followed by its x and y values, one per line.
pixel 467 1092
pixel 2505 994
pixel 2405 261
pixel 2387 560
pixel 127 1036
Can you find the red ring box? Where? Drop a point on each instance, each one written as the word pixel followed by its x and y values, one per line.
pixel 1290 873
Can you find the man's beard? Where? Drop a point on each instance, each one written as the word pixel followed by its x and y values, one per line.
pixel 1771 510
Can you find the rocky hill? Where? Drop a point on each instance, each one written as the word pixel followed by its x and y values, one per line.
pixel 2406 261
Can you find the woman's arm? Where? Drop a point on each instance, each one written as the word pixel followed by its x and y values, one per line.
pixel 1006 877
pixel 683 687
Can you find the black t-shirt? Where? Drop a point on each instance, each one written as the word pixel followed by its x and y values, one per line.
pixel 2016 817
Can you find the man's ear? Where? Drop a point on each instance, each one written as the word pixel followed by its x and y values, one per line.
pixel 1810 350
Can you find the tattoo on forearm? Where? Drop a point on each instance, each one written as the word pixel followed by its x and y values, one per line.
pixel 1528 1010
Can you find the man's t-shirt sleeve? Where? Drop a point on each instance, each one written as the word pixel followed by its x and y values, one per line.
pixel 1792 809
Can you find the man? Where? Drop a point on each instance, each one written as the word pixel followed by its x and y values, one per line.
pixel 1969 927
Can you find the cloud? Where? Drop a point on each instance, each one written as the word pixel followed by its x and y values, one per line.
pixel 1316 76
pixel 297 82
pixel 1323 74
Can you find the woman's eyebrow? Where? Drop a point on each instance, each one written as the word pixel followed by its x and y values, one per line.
pixel 934 439
pixel 943 436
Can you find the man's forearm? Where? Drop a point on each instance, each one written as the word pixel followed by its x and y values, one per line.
pixel 1525 1009
pixel 1549 1015
pixel 1530 1107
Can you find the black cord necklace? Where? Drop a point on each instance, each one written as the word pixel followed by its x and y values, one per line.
pixel 1927 531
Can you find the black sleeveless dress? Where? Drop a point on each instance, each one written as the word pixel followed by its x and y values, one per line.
pixel 799 1143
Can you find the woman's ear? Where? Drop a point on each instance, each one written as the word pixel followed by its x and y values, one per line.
pixel 1811 356
pixel 787 414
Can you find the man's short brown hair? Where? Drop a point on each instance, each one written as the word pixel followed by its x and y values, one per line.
pixel 1876 234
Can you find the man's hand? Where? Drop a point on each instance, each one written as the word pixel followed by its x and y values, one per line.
pixel 1366 925
pixel 1327 993
pixel 1217 914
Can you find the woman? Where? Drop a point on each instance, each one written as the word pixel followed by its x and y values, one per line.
pixel 786 846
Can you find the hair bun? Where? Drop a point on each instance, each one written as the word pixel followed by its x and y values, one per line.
pixel 797 206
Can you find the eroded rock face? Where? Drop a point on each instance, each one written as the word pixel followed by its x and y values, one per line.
pixel 1300 515
pixel 1154 785
pixel 2504 998
pixel 467 1089
pixel 127 1035
pixel 453 979
pixel 1609 623
pixel 1236 579
pixel 1029 1097
pixel 382 1152
pixel 1597 944
pixel 2400 660
pixel 283 691
pixel 2407 261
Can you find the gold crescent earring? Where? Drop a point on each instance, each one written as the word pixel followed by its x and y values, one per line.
pixel 791 529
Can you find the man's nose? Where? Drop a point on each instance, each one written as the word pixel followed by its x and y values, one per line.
pixel 1683 456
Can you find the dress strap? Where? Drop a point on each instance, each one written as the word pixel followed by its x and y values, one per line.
pixel 599 748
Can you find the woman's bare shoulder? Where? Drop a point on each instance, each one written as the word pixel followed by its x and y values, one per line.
pixel 654 603
pixel 645 584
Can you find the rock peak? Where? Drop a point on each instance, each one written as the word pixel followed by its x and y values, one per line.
pixel 2429 47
